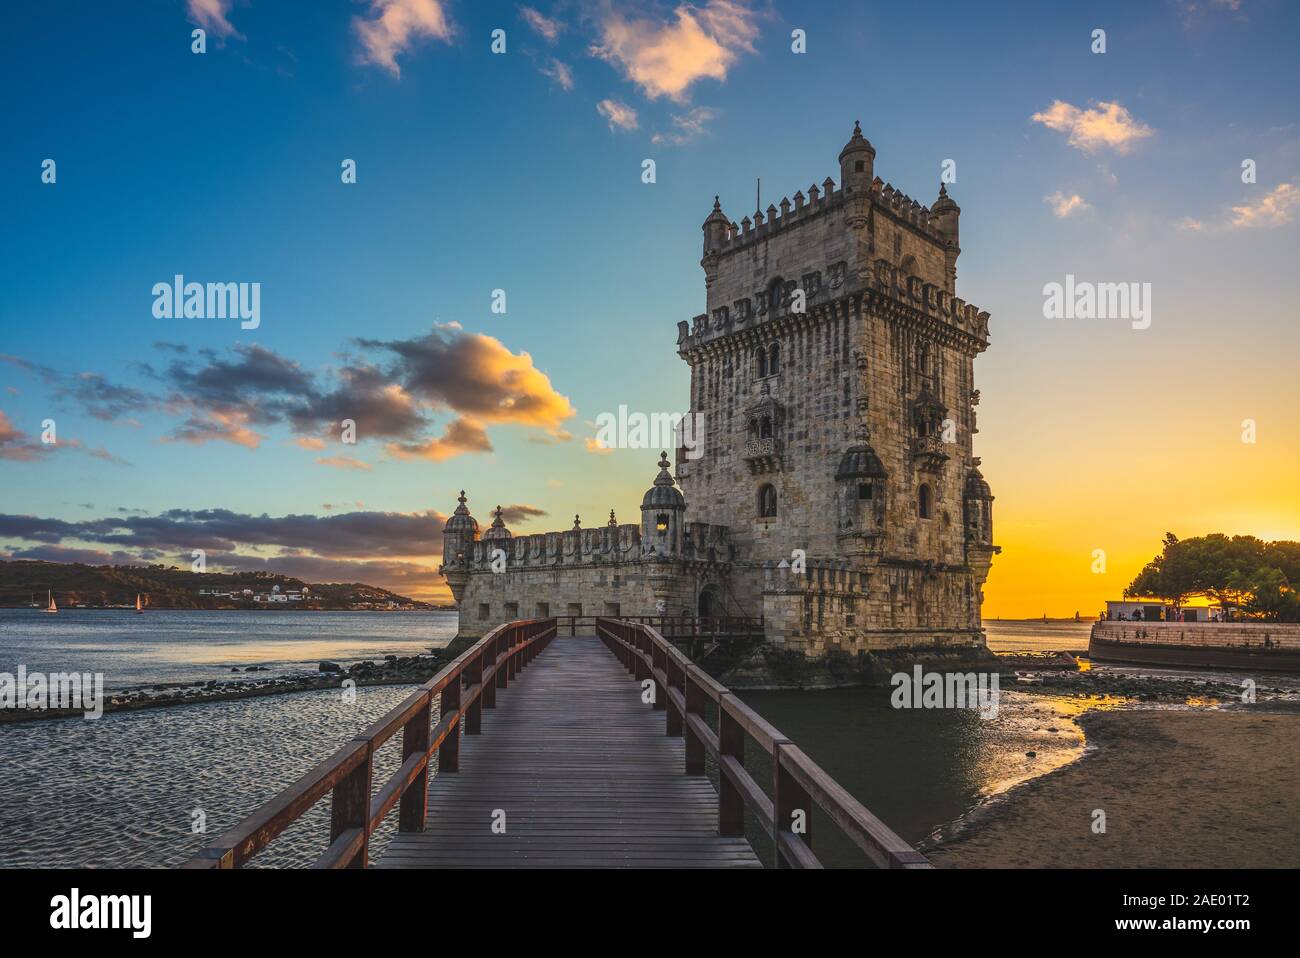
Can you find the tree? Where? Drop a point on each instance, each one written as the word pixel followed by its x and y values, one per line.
pixel 1238 571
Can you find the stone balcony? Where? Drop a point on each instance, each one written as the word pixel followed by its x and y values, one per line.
pixel 763 455
pixel 930 452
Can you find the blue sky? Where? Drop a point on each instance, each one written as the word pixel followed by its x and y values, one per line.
pixel 479 171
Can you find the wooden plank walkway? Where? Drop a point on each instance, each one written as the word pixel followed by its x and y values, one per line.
pixel 584 773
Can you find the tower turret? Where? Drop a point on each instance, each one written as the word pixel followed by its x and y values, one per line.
pixel 978 502
pixel 498 528
pixel 663 512
pixel 857 162
pixel 460 532
pixel 945 216
pixel 716 226
pixel 860 479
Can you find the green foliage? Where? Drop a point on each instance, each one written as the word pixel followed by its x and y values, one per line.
pixel 1257 577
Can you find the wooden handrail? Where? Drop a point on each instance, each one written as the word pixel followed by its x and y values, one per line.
pixel 466 686
pixel 798 782
pixel 674 626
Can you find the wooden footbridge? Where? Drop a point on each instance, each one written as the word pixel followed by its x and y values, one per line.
pixel 533 749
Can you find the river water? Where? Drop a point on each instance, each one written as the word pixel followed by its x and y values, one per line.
pixel 149 788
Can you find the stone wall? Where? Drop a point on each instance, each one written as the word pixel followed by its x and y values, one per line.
pixel 1221 635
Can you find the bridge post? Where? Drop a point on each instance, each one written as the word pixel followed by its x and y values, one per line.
pixel 474 714
pixel 350 808
pixel 789 797
pixel 415 741
pixel 694 744
pixel 673 727
pixel 731 744
pixel 449 750
pixel 500 648
pixel 658 659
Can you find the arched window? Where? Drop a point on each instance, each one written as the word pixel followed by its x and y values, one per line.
pixel 773 359
pixel 767 501
pixel 760 362
pixel 765 428
pixel 924 504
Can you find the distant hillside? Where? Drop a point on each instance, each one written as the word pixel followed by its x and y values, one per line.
pixel 172 588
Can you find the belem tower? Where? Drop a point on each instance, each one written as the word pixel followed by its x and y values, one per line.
pixel 834 490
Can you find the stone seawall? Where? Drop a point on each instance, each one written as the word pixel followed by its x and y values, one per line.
pixel 1223 635
pixel 1270 646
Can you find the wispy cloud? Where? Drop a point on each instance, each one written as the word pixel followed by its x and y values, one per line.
pixel 1063 206
pixel 211 15
pixel 1102 126
pixel 1277 207
pixel 560 73
pixel 548 28
pixel 664 58
pixel 344 462
pixel 520 513
pixel 687 127
pixel 395 25
pixel 620 115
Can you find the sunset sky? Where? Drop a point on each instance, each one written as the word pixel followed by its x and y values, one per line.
pixel 521 172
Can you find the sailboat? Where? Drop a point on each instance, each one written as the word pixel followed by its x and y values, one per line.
pixel 51 608
pixel 139 606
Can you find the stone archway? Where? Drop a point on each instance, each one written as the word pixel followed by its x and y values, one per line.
pixel 710 605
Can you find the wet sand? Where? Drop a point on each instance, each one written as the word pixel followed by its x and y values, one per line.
pixel 1198 788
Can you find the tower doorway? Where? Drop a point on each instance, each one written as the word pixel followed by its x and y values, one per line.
pixel 710 602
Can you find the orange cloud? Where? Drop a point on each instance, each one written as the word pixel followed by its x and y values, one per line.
pixel 460 436
pixel 394 28
pixel 211 16
pixel 1104 126
pixel 344 462
pixel 1063 206
pixel 218 426
pixel 1275 209
pixel 664 59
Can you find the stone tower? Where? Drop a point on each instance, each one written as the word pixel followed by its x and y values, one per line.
pixel 834 370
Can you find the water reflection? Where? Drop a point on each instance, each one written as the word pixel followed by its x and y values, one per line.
pixel 919 769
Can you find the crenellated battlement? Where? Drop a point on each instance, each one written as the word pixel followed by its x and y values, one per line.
pixel 788 214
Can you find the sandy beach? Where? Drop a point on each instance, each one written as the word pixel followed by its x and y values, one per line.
pixel 1206 788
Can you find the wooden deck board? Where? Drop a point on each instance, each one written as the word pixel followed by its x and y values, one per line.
pixel 584 773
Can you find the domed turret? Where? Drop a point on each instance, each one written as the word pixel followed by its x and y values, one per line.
pixel 860 483
pixel 663 510
pixel 977 501
pixel 458 535
pixel 716 226
pixel 498 529
pixel 857 162
pixel 860 462
pixel 461 521
pixel 945 216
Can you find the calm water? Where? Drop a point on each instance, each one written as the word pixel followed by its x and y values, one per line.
pixel 1011 636
pixel 123 790
pixel 183 646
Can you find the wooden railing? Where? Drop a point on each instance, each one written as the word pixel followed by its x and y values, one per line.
pixel 682 689
pixel 673 626
pixel 466 686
